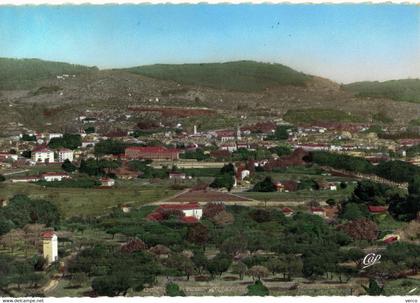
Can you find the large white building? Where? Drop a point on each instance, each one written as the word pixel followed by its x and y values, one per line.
pixel 65 154
pixel 42 154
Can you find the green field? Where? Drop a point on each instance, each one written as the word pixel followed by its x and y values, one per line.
pixel 398 90
pixel 313 115
pixel 237 76
pixel 80 202
pixel 25 73
pixel 299 196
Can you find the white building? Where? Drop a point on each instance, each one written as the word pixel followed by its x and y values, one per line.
pixel 54 135
pixel 65 154
pixel 42 154
pixel 54 176
pixel 50 246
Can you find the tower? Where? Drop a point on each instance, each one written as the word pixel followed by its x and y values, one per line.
pixel 195 129
pixel 50 246
pixel 238 133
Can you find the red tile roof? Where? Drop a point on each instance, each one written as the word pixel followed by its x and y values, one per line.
pixel 41 148
pixel 317 209
pixel 377 209
pixel 390 240
pixel 47 234
pixel 287 210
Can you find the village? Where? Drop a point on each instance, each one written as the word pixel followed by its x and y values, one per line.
pixel 188 183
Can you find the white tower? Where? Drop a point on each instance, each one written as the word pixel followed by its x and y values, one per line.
pixel 195 129
pixel 50 246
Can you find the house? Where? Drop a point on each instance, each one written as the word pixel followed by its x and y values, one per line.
pixel 42 154
pixel 287 211
pixel 54 176
pixel 192 209
pixel 373 209
pixel 177 176
pixel 231 147
pixel 50 246
pixel 327 185
pixel 152 153
pixel 107 182
pixel 391 238
pixel 226 135
pixel 319 211
pixel 286 186
pixel 244 173
pixel 65 154
pixel 86 144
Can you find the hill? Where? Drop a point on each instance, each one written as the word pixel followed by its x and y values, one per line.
pixel 25 73
pixel 245 76
pixel 399 90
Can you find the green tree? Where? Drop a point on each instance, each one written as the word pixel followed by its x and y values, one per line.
pixel 173 290
pixel 257 289
pixel 69 167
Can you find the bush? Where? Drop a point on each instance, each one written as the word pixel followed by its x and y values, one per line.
pixel 173 290
pixel 257 289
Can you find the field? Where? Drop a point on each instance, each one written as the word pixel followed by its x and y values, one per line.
pixel 317 115
pixel 400 90
pixel 83 202
pixel 238 76
pixel 298 196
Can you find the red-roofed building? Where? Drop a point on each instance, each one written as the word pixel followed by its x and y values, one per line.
pixel 319 211
pixel 287 211
pixel 377 209
pixel 192 209
pixel 151 153
pixel 390 240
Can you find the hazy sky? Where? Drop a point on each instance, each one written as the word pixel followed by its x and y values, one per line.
pixel 342 42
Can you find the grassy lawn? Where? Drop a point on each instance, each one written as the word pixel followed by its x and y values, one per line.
pixel 300 195
pixel 80 201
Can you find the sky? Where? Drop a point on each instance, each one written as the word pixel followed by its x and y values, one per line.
pixel 346 43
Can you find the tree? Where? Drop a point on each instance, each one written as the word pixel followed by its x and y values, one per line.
pixel 257 289
pixel 2 178
pixel 198 234
pixel 354 211
pixel 225 180
pixel 111 285
pixel 361 229
pixel 200 261
pixel 258 271
pixel 223 218
pixel 266 185
pixel 212 209
pixel 219 264
pixel 67 166
pixel 277 265
pixel 173 290
pixel 133 246
pixel 240 269
pixel 373 289
pixel 71 141
pixel 260 215
pixel 78 279
pixel 180 263
pixel 234 245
